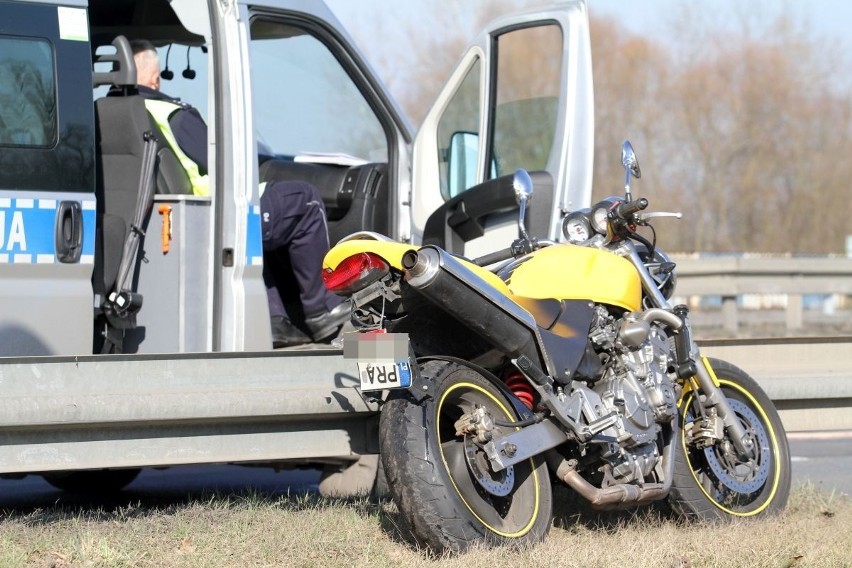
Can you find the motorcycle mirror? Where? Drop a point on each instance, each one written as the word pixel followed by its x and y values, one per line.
pixel 631 167
pixel 523 186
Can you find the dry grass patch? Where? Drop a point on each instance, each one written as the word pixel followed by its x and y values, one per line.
pixel 302 531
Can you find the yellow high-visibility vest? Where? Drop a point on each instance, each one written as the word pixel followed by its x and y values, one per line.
pixel 161 111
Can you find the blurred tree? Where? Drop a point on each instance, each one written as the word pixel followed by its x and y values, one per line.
pixel 426 49
pixel 631 76
pixel 744 132
pixel 744 126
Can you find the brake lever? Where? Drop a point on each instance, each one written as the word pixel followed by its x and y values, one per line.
pixel 642 217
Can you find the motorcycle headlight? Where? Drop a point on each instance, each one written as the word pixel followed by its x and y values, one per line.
pixel 662 269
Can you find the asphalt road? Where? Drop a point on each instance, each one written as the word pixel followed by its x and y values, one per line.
pixel 825 460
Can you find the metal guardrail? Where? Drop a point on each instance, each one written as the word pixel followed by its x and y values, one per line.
pixel 133 411
pixel 142 411
pixel 730 277
pixel 808 379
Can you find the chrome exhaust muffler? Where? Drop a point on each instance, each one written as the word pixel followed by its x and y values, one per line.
pixel 445 281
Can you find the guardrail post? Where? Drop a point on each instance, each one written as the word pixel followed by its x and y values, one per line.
pixel 730 317
pixel 794 311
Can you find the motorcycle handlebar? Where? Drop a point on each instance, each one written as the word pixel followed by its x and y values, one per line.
pixel 625 211
pixel 494 257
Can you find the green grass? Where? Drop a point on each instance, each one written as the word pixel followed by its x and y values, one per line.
pixel 261 530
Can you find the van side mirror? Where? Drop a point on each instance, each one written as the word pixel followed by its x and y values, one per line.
pixel 462 161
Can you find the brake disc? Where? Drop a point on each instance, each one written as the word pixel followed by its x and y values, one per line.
pixel 740 476
pixel 498 483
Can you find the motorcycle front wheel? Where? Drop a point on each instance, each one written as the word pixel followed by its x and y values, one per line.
pixel 713 483
pixel 442 483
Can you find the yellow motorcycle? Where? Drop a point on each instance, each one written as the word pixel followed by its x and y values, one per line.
pixel 563 359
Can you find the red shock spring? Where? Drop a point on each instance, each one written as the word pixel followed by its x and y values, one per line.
pixel 521 387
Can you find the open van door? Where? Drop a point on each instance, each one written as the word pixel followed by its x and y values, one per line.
pixel 521 97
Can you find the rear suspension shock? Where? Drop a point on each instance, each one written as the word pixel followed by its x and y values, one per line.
pixel 520 387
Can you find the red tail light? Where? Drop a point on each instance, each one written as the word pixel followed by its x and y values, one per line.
pixel 355 273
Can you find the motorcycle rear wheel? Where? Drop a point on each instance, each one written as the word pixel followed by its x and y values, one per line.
pixel 712 483
pixel 445 491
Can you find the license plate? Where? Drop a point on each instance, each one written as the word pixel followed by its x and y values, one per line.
pixel 378 375
pixel 383 361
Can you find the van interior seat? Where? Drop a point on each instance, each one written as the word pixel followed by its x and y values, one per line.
pixel 121 120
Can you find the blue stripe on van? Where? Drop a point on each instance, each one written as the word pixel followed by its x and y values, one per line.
pixel 27 230
pixel 254 241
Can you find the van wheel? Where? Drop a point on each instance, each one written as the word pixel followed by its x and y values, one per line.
pixel 92 482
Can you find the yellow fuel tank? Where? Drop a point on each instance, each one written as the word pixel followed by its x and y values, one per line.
pixel 570 272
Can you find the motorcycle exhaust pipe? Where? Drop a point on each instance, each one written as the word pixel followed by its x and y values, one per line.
pixel 447 282
pixel 616 496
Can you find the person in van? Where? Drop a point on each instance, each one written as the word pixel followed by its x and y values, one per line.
pixel 293 218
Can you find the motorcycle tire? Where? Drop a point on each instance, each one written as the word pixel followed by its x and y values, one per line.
pixel 713 483
pixel 447 495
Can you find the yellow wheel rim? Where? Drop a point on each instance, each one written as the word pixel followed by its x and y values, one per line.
pixel 476 388
pixel 775 452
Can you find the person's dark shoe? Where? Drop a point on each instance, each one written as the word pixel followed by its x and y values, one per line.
pixel 326 326
pixel 285 334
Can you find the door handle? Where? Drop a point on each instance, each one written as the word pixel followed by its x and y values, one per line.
pixel 68 232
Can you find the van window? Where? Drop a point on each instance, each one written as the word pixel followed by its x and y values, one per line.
pixel 47 123
pixel 529 64
pixel 304 101
pixel 458 135
pixel 27 93
pixel 525 89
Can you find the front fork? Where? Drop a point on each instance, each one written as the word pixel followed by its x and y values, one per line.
pixel 692 366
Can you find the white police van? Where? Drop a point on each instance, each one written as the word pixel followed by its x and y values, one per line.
pixel 115 358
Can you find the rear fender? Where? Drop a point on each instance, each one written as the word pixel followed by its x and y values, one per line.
pixel 390 251
pixel 425 387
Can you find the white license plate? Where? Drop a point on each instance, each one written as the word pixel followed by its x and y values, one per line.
pixel 383 359
pixel 379 375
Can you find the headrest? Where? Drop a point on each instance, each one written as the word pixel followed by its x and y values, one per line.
pixel 123 72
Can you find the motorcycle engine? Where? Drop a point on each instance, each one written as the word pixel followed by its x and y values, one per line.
pixel 636 386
